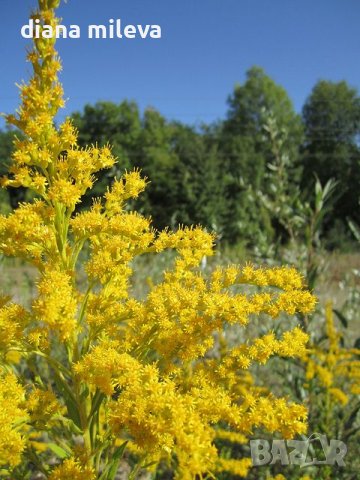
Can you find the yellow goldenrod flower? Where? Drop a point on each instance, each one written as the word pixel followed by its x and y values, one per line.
pixel 12 414
pixel 106 366
pixel 72 469
pixel 236 467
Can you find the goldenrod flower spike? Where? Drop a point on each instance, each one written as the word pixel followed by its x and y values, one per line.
pixel 334 367
pixel 113 368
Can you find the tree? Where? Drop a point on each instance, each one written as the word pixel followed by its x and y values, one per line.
pixel 331 150
pixel 119 124
pixel 181 162
pixel 12 196
pixel 158 162
pixel 247 152
pixel 199 198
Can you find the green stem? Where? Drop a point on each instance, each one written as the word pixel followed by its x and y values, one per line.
pixel 59 367
pixel 136 470
pixel 82 409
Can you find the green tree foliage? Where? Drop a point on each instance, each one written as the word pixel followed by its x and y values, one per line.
pixel 185 174
pixel 181 163
pixel 332 127
pixel 11 196
pixel 117 124
pixel 200 178
pixel 246 152
pixel 158 162
pixel 6 147
pixel 246 177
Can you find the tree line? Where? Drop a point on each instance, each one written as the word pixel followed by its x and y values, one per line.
pixel 241 175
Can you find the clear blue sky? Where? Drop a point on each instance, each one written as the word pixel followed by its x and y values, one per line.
pixel 206 48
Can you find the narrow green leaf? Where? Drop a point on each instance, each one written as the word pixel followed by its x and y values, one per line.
pixel 150 464
pixel 59 451
pixel 349 424
pixel 69 399
pixel 85 394
pixel 341 317
pixel 355 230
pixel 69 424
pixel 96 402
pixel 116 460
pixel 111 469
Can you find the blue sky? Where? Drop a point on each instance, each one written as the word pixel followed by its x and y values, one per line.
pixel 206 48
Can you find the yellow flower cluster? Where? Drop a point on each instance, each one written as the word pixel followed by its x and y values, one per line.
pixel 170 413
pixel 230 436
pixel 12 416
pixel 236 467
pixel 143 370
pixel 336 368
pixel 13 319
pixel 28 233
pixel 42 405
pixel 281 477
pixel 56 304
pixel 72 469
pixel 293 344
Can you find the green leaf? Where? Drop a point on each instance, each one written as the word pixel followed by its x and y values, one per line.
pixel 85 393
pixel 341 317
pixel 352 418
pixel 321 339
pixel 355 230
pixel 59 451
pixel 116 460
pixel 111 469
pixel 96 402
pixel 69 424
pixel 69 399
pixel 150 464
pixel 357 343
pixel 318 195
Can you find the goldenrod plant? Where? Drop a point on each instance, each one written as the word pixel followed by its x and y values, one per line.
pixel 332 388
pixel 326 380
pixel 91 374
